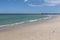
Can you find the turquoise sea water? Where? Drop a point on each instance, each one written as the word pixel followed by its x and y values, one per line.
pixel 15 18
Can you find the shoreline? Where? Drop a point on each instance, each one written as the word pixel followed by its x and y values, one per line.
pixel 22 22
pixel 26 23
pixel 12 24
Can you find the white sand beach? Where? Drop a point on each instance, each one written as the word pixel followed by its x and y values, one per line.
pixel 48 30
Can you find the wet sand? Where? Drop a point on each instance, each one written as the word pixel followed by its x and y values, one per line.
pixel 47 30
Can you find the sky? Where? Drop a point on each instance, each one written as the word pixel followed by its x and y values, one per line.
pixel 29 6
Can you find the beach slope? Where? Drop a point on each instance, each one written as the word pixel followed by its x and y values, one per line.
pixel 49 30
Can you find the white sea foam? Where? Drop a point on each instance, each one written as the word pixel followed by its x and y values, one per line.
pixel 4 25
pixel 12 24
pixel 32 20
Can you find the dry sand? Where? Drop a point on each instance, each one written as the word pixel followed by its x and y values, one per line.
pixel 49 30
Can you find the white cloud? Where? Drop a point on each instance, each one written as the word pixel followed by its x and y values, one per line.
pixel 36 5
pixel 46 3
pixel 25 0
pixel 52 2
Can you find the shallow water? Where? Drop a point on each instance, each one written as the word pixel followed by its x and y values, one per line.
pixel 15 18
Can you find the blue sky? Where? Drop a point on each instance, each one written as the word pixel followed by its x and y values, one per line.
pixel 29 6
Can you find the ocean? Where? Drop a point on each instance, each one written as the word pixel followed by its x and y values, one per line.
pixel 16 18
